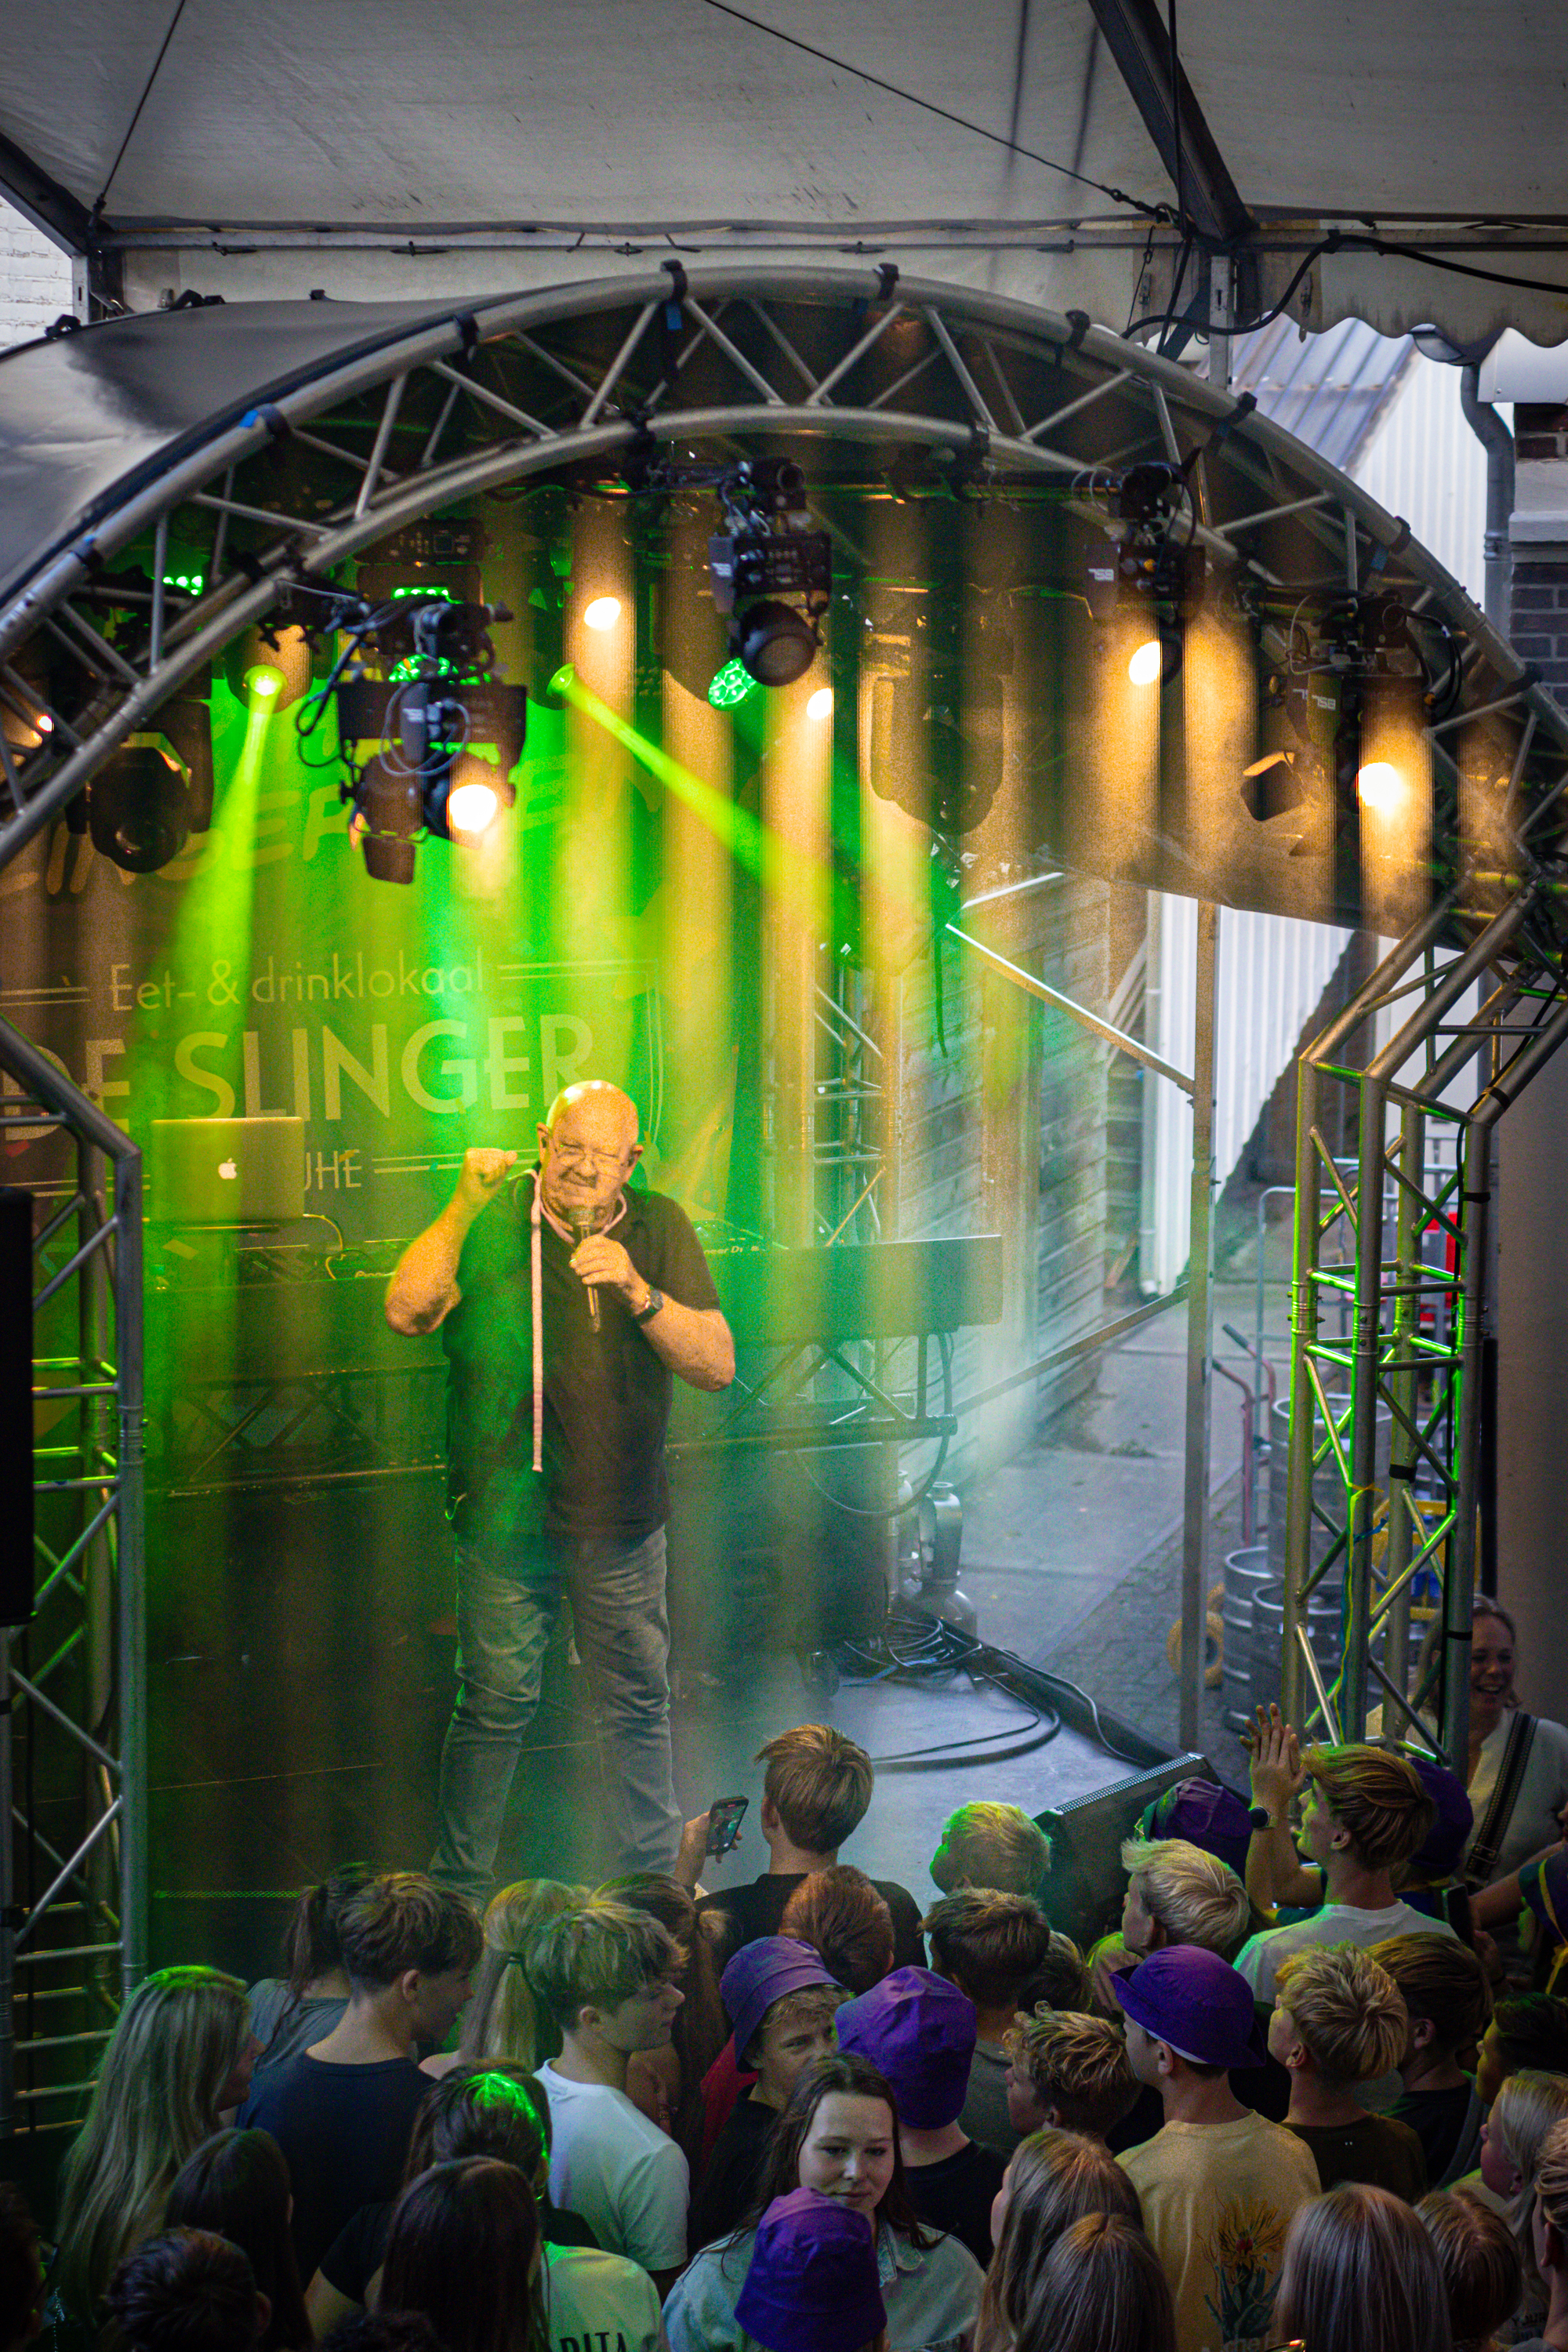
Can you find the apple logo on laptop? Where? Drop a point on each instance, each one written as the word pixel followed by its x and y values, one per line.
pixel 227 1171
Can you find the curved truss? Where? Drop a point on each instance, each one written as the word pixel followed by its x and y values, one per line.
pixel 577 377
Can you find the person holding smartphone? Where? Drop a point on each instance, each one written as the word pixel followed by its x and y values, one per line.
pixel 568 1304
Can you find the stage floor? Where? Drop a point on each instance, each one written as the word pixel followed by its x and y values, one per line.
pixel 267 1774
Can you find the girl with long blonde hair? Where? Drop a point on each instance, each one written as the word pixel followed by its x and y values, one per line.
pixel 180 2054
pixel 1524 2111
pixel 503 2022
pixel 1053 2179
pixel 1361 2274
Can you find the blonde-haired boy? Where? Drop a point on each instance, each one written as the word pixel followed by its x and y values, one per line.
pixel 988 1844
pixel 1071 2071
pixel 1365 1815
pixel 815 1794
pixel 1177 1894
pixel 608 1976
pixel 1340 2020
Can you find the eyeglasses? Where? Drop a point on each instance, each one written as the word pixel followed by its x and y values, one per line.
pixel 599 1162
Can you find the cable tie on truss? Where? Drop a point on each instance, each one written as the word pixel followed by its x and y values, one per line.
pixel 1246 401
pixel 271 416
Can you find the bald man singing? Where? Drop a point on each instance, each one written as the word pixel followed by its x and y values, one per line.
pixel 565 1302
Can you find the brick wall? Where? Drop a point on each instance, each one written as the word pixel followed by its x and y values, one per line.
pixel 1538 533
pixel 1539 628
pixel 34 279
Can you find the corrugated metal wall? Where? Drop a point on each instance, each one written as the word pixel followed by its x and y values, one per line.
pixel 1422 461
pixel 1271 973
pixel 1005 1132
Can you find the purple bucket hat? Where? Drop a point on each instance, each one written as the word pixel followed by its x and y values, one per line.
pixel 1455 1817
pixel 919 2032
pixel 1205 1815
pixel 812 2285
pixel 1195 2001
pixel 761 1973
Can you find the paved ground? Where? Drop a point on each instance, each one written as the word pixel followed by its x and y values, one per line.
pixel 1072 1552
pixel 1118 1652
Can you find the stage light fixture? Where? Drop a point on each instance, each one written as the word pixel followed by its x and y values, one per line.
pixel 1147 576
pixel 416 678
pixel 1272 785
pixel 766 554
pixel 603 612
pixel 386 820
pixel 269 667
pixel 1380 787
pixel 139 808
pixel 1362 679
pixel 776 643
pixel 729 686
pixel 470 802
pixel 820 704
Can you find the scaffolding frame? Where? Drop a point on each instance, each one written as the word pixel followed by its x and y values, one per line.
pixel 1419 1315
pixel 84 1706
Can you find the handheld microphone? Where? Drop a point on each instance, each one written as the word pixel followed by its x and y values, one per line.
pixel 582 1226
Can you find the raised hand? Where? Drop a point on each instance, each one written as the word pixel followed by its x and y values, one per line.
pixel 1276 1771
pixel 484 1171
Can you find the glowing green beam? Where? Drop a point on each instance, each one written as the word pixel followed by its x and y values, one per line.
pixel 749 841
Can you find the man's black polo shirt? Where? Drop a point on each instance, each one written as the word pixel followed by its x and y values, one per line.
pixel 606 1392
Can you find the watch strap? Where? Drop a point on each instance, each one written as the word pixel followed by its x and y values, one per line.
pixel 654 1301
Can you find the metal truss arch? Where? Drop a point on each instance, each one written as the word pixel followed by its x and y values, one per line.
pixel 577 376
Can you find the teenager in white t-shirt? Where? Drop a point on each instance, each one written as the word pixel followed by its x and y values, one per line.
pixel 593 2298
pixel 1366 1814
pixel 608 1976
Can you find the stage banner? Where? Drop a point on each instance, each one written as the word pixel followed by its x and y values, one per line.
pixel 263 973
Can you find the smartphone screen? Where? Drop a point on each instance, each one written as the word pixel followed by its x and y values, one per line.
pixel 724 1818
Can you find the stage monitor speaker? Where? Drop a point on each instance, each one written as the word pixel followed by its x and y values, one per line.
pixel 15 1405
pixel 1086 1884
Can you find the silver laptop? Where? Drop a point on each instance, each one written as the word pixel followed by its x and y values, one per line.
pixel 226 1172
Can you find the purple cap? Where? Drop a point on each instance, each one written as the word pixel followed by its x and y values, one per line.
pixel 812 2285
pixel 919 2032
pixel 1455 1817
pixel 761 1973
pixel 1206 1815
pixel 1195 2001
pixel 1544 1886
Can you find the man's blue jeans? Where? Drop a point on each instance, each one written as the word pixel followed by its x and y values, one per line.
pixel 508 1601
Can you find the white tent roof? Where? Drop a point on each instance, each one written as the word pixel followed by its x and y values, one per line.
pixel 198 127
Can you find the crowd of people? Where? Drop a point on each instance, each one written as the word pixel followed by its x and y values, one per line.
pixel 1296 2094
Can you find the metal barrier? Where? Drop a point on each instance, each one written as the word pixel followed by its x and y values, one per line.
pixel 73 1723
